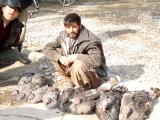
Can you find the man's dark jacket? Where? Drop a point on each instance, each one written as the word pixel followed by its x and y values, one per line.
pixel 14 37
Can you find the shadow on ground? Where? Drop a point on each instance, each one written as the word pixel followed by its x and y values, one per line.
pixel 117 33
pixel 37 113
pixel 127 72
pixel 10 74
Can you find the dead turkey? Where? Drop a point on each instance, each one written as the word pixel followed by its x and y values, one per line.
pixel 136 105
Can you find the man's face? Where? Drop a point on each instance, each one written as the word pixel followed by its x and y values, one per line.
pixel 10 13
pixel 73 30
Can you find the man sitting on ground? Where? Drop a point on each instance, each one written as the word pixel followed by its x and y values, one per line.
pixel 82 58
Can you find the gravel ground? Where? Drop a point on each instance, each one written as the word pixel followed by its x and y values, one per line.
pixel 129 31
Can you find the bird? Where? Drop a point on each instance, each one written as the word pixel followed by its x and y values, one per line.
pixel 36 96
pixel 108 105
pixel 136 105
pixel 22 92
pixel 156 91
pixel 39 79
pixel 25 78
pixel 78 101
pixel 81 105
pixel 15 93
pixel 92 94
pixel 63 101
pixel 51 97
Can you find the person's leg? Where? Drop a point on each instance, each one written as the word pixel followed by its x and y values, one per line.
pixel 62 72
pixel 81 75
pixel 60 69
pixel 62 78
pixel 9 57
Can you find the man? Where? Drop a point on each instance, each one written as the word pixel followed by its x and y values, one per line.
pixel 23 16
pixel 82 56
pixel 10 31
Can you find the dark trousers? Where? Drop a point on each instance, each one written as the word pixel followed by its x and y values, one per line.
pixel 8 57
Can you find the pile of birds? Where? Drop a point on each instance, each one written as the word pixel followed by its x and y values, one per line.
pixel 117 103
pixel 30 88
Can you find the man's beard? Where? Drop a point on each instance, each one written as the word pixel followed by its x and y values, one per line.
pixel 73 35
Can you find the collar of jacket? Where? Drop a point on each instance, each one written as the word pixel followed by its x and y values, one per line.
pixel 83 35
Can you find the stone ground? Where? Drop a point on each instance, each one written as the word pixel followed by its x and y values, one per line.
pixel 130 33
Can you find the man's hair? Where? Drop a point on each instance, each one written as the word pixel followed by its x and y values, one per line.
pixel 12 3
pixel 72 18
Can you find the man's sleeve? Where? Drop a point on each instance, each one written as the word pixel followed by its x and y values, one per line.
pixel 50 50
pixel 93 56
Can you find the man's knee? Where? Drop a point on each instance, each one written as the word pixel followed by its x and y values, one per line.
pixel 9 57
pixel 79 65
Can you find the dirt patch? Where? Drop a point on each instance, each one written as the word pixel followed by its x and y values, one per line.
pixel 128 29
pixel 6 101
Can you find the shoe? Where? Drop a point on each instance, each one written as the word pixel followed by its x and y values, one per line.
pixel 106 86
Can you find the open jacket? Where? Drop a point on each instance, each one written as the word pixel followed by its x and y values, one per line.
pixel 88 46
pixel 14 37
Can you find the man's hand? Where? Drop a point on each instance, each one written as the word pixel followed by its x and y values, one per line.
pixel 73 57
pixel 66 61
